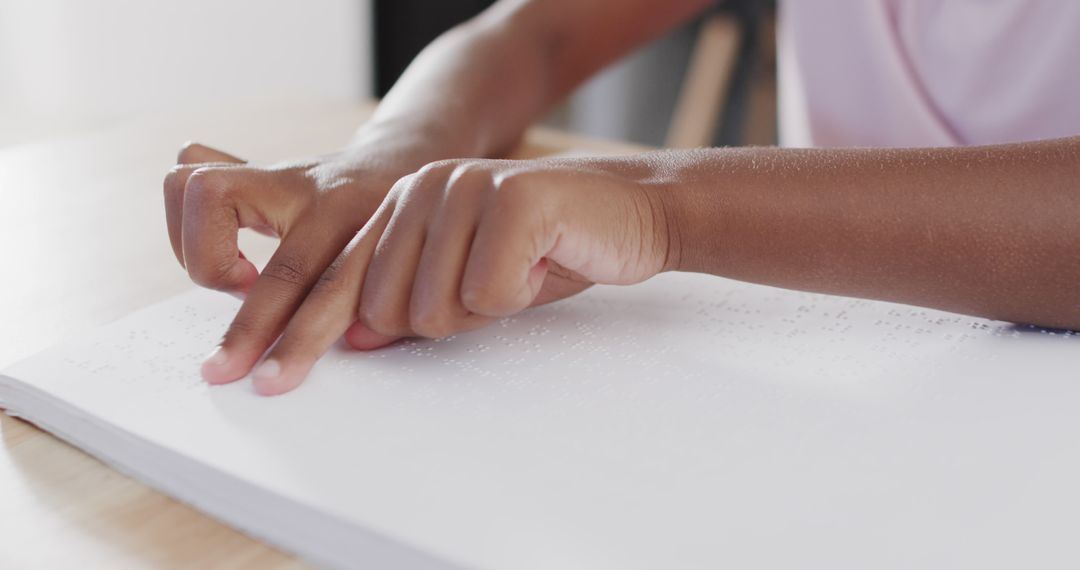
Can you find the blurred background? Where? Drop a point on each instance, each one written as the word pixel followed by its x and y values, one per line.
pixel 68 66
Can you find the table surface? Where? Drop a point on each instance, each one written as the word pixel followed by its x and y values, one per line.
pixel 83 242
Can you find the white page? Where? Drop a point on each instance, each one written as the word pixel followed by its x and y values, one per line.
pixel 688 422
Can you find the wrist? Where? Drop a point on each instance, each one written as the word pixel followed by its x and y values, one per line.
pixel 682 219
pixel 667 227
pixel 693 197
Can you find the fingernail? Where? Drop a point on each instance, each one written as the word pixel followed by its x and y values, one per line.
pixel 212 368
pixel 217 357
pixel 238 294
pixel 268 370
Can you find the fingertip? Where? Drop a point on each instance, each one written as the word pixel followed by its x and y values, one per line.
pixel 221 368
pixel 360 337
pixel 272 378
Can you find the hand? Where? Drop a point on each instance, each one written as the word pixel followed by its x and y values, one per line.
pixel 453 247
pixel 314 206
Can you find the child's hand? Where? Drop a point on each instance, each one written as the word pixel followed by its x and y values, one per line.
pixel 314 206
pixel 451 248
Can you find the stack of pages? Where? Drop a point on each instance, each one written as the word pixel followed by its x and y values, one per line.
pixel 689 422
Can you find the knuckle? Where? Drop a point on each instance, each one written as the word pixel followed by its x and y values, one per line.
pixel 470 179
pixel 174 179
pixel 431 324
pixel 378 320
pixel 482 299
pixel 290 269
pixel 515 190
pixel 421 179
pixel 446 171
pixel 445 166
pixel 467 167
pixel 403 184
pixel 439 169
pixel 475 299
pixel 445 177
pixel 206 184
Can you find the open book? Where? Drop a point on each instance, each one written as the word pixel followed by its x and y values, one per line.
pixel 688 422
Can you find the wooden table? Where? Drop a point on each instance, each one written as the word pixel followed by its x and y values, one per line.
pixel 83 242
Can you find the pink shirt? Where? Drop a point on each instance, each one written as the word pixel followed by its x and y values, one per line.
pixel 928 72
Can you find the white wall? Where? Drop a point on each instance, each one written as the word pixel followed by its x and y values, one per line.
pixel 66 64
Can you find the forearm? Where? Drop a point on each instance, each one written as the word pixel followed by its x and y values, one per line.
pixel 989 231
pixel 472 92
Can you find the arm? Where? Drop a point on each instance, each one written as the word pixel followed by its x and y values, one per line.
pixel 992 231
pixel 471 93
pixel 474 90
pixel 989 231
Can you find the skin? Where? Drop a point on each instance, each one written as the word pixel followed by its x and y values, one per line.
pixel 396 235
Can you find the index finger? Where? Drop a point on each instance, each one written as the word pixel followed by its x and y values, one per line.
pixel 190 158
pixel 324 315
pixel 209 223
